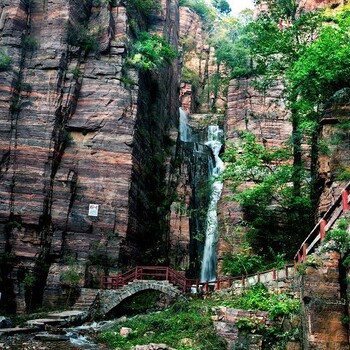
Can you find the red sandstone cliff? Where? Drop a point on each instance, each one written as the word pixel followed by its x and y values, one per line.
pixel 75 130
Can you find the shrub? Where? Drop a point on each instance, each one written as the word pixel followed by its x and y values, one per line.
pixel 259 298
pixel 145 7
pixel 340 237
pixel 202 8
pixel 81 36
pixel 151 52
pixel 5 61
pixel 239 264
pixel 30 43
pixel 190 76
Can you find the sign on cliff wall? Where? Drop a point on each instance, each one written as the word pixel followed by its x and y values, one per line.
pixel 93 209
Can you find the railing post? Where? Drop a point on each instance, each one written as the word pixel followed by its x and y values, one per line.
pixel 345 200
pixel 305 246
pixel 197 285
pixel 217 284
pixel 323 224
pixel 207 287
pixel 258 277
pixel 274 275
pixel 167 274
pixel 243 280
pixel 287 271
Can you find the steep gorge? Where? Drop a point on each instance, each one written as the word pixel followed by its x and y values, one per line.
pixel 80 126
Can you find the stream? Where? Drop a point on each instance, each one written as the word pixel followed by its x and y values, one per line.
pixel 72 338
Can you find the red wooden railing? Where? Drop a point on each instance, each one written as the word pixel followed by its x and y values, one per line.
pixel 154 273
pixel 319 232
pixel 186 285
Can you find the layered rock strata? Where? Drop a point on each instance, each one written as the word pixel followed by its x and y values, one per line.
pixel 76 129
pixel 265 116
pixel 200 71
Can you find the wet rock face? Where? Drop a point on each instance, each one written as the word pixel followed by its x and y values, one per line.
pixel 68 112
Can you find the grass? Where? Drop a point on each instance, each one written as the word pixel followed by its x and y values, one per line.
pixel 187 325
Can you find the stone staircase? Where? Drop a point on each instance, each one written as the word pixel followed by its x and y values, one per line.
pixel 87 298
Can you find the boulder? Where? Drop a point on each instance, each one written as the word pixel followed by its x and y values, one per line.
pixel 5 322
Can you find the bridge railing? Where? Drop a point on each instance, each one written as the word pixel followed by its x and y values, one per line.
pixel 187 285
pixel 317 235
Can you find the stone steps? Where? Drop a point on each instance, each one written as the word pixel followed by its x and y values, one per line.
pixel 86 300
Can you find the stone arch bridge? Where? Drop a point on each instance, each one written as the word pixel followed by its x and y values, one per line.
pixel 116 289
pixel 109 299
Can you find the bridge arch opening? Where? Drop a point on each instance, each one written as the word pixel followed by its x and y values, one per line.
pixel 142 302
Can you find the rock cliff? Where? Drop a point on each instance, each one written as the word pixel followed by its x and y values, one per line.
pixel 93 176
pixel 80 128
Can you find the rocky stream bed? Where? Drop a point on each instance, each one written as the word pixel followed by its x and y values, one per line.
pixel 56 331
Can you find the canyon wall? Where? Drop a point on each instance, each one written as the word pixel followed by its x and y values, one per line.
pixel 79 127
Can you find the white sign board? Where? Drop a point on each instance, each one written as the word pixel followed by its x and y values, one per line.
pixel 93 209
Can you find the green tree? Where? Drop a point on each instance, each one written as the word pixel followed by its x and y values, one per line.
pixel 309 54
pixel 271 209
pixel 222 6
pixel 151 52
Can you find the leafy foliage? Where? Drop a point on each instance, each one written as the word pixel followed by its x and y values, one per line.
pixel 5 61
pixel 311 59
pixel 81 35
pixel 232 43
pixel 30 43
pixel 145 7
pixel 340 237
pixel 182 320
pixel 150 52
pixel 259 298
pixel 222 6
pixel 245 262
pixel 71 277
pixel 202 8
pixel 241 264
pixel 322 69
pixel 272 210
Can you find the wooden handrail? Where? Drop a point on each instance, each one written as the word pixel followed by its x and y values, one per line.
pixel 176 278
pixel 318 233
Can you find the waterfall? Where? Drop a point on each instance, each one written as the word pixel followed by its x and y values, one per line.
pixel 208 270
pixel 215 168
pixel 184 128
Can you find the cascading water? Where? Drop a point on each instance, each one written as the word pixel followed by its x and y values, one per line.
pixel 208 270
pixel 184 128
pixel 215 167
